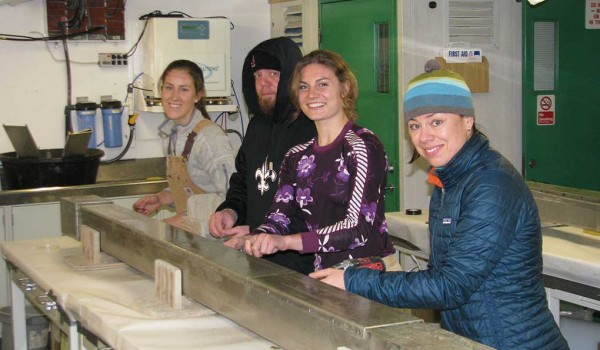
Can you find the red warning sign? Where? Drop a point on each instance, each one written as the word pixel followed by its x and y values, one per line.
pixel 545 110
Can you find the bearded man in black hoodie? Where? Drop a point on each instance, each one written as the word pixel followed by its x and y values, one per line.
pixel 272 131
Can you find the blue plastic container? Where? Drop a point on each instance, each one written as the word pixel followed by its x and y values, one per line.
pixel 86 119
pixel 111 123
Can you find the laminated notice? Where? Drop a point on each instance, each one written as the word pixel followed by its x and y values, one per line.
pixel 463 55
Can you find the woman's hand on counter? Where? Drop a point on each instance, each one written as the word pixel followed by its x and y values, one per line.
pixel 331 276
pixel 152 202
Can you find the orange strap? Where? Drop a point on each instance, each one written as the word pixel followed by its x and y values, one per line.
pixel 433 179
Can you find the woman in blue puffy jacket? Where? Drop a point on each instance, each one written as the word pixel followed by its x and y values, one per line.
pixel 485 267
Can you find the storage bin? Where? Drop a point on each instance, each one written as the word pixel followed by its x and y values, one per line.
pixel 37 329
pixel 50 169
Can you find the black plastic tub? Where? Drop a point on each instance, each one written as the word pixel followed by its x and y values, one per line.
pixel 50 169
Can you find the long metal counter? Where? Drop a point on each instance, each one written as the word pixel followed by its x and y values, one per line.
pixel 282 306
pixel 103 189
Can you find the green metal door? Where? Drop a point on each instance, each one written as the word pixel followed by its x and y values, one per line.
pixel 561 94
pixel 364 33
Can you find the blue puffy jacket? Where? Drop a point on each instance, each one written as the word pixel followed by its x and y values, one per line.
pixel 485 268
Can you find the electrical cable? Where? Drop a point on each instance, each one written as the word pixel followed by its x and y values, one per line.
pixel 56 59
pixel 146 17
pixel 233 131
pixel 127 146
pixel 219 117
pixel 239 107
pixel 78 8
pixel 134 47
pixel 131 86
pixel 15 37
pixel 68 122
pixel 170 14
pixel 130 121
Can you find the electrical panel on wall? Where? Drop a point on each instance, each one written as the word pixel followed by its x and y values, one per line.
pixel 205 41
pixel 95 19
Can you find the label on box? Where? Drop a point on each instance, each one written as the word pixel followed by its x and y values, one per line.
pixel 456 55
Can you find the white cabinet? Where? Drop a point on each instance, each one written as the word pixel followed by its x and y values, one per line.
pixel 298 20
pixel 34 221
pixel 22 222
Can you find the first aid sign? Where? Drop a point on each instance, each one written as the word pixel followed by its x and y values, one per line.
pixel 467 55
pixel 546 110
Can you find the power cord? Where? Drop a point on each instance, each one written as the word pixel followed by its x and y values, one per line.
pixel 146 17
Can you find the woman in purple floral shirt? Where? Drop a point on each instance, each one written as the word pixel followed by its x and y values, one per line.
pixel 335 182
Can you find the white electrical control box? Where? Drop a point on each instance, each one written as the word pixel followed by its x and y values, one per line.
pixel 205 41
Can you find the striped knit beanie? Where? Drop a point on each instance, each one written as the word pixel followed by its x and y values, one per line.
pixel 437 91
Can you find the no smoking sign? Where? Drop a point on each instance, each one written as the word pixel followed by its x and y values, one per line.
pixel 545 110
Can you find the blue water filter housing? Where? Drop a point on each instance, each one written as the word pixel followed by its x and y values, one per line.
pixel 86 119
pixel 111 123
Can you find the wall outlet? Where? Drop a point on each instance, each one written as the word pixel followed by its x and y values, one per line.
pixel 111 59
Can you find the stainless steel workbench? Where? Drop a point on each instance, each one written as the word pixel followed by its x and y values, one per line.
pixel 102 189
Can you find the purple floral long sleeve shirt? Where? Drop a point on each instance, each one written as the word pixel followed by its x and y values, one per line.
pixel 338 190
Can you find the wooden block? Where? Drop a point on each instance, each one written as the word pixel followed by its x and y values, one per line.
pixel 92 258
pixel 167 283
pixel 90 239
pixel 476 74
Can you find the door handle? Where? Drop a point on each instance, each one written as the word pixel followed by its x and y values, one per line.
pixel 390 188
pixel 532 163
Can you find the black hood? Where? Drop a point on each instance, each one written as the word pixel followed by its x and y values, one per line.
pixel 288 54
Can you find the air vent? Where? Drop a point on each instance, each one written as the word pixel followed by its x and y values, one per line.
pixel 472 22
pixel 292 26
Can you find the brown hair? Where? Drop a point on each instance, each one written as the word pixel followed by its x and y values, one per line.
pixel 195 72
pixel 342 71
